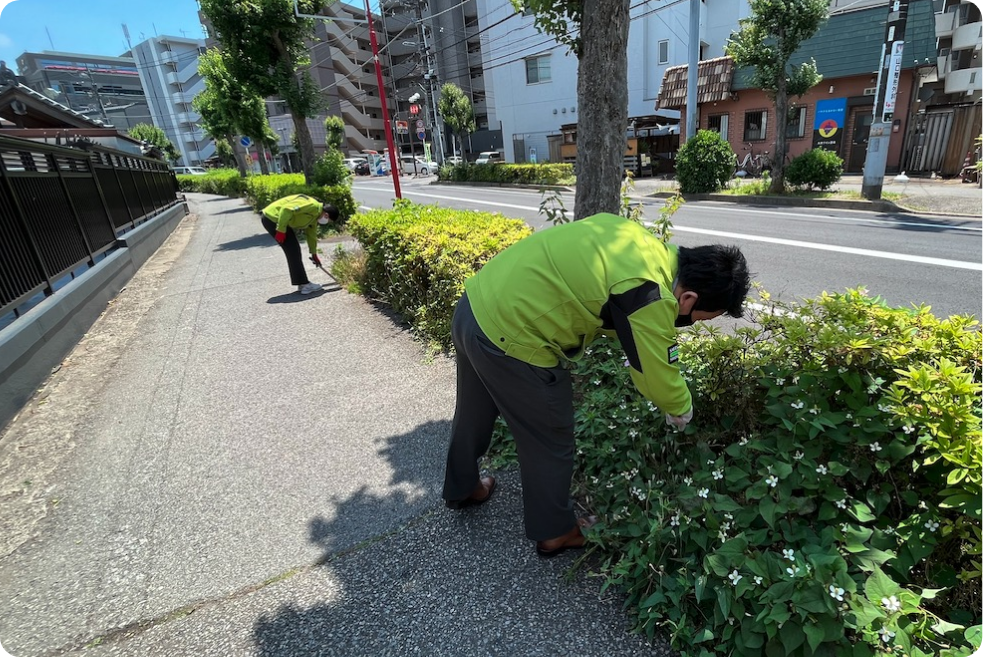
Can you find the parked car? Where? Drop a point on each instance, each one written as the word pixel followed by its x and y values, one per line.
pixel 489 157
pixel 362 168
pixel 352 162
pixel 421 166
pixel 193 171
pixel 454 160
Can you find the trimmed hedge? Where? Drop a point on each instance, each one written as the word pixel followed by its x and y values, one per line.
pixel 418 257
pixel 824 501
pixel 514 174
pixel 816 168
pixel 705 163
pixel 225 182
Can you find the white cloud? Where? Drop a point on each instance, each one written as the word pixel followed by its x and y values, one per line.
pixel 5 41
pixel 4 3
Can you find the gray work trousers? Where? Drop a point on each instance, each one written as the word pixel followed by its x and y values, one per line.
pixel 537 405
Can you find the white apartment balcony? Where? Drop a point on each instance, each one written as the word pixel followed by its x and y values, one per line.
pixel 168 57
pixel 964 80
pixel 179 98
pixel 967 36
pixel 945 23
pixel 944 64
pixel 188 118
pixel 194 136
pixel 172 78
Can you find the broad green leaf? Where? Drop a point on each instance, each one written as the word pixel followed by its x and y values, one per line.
pixel 837 469
pixel 655 599
pixel 703 635
pixel 814 635
pixel 944 627
pixel 861 512
pixel 974 635
pixel 723 600
pixel 735 547
pixel 791 636
pixel 718 563
pixel 879 586
pixel 767 509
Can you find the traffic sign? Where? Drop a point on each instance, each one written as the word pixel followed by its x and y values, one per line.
pixel 419 124
pixel 414 109
pixel 421 134
pixel 402 127
pixel 246 141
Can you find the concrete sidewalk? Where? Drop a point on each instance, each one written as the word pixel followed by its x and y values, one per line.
pixel 225 467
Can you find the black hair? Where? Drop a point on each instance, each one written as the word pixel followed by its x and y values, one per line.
pixel 331 211
pixel 718 274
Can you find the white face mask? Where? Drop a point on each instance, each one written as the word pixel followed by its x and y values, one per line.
pixel 323 220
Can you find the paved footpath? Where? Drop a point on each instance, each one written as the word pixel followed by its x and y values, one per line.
pixel 224 467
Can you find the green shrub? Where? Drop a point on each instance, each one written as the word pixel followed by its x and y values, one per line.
pixel 835 453
pixel 817 168
pixel 330 169
pixel 226 182
pixel 263 190
pixel 418 257
pixel 511 174
pixel 704 163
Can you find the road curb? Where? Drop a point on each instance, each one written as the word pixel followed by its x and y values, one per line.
pixel 791 201
pixel 559 188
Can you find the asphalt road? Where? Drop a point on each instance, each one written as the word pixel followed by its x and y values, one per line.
pixel 794 252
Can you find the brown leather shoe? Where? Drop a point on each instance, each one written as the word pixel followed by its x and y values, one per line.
pixel 572 540
pixel 481 494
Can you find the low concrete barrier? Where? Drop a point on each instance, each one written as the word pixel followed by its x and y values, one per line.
pixel 37 342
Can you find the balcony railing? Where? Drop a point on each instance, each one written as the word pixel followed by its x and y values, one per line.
pixel 967 36
pixel 945 23
pixel 964 80
pixel 62 208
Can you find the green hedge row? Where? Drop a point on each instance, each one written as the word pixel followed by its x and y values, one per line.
pixel 516 174
pixel 418 257
pixel 260 191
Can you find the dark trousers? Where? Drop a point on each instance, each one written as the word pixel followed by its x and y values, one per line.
pixel 291 249
pixel 536 403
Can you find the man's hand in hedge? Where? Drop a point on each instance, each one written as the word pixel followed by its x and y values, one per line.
pixel 680 421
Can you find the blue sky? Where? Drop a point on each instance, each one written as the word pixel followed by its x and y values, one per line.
pixel 91 26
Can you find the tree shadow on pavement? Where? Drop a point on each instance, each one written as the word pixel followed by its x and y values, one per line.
pixel 253 241
pixel 401 574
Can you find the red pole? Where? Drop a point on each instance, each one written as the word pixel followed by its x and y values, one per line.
pixel 393 169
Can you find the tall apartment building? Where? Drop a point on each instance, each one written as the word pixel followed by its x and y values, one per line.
pixel 959 29
pixel 168 69
pixel 107 89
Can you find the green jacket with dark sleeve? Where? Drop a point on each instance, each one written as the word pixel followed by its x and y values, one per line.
pixel 299 212
pixel 549 295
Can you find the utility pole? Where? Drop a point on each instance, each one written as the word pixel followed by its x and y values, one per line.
pixel 692 71
pixel 888 77
pixel 429 76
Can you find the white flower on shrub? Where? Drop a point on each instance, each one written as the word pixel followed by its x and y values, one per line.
pixel 772 481
pixel 623 406
pixel 596 382
pixel 842 370
pixel 814 410
pixel 931 526
pixel 674 521
pixel 908 429
pixel 849 416
pixel 780 382
pixel 840 504
pixel 651 406
pixel 729 516
pixel 611 426
pixel 884 408
pixel 725 527
pixel 875 446
pixel 627 363
pixel 797 405
pixel 892 604
pixel 688 481
pixel 638 492
pixel 789 554
pixel 798 456
pixel 875 384
pixel 721 536
pixel 632 433
pixel 889 531
pixel 735 577
pixel 923 506
pixel 823 470
pixel 795 380
pixel 887 636
pixel 844 527
pixel 593 479
pixel 793 570
pixel 703 492
pixel 758 579
pixel 743 441
pixel 836 592
pixel 718 475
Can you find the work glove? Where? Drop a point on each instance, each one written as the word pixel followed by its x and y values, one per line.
pixel 280 237
pixel 680 421
pixel 315 260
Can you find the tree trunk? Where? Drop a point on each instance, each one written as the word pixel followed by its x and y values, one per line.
pixel 264 166
pixel 781 123
pixel 305 145
pixel 238 154
pixel 602 103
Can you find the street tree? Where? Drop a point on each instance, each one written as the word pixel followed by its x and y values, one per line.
pixel 458 113
pixel 767 40
pixel 267 52
pixel 597 33
pixel 155 138
pixel 334 128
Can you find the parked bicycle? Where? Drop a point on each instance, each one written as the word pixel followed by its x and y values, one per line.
pixel 753 163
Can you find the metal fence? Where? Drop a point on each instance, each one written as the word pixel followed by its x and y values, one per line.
pixel 61 208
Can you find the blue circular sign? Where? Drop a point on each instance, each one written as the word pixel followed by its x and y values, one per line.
pixel 246 141
pixel 421 135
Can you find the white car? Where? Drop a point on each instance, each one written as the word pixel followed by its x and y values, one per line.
pixel 193 171
pixel 489 157
pixel 454 160
pixel 417 165
pixel 352 162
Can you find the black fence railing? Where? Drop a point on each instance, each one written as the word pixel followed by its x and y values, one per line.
pixel 62 208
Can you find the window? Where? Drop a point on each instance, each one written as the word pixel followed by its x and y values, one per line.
pixel 719 123
pixel 796 126
pixel 664 52
pixel 755 125
pixel 538 69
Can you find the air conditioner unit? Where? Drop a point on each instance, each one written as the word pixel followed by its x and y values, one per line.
pixel 870 91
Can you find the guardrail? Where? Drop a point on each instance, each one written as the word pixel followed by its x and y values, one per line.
pixel 62 208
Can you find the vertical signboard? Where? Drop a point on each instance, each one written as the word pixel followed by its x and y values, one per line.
pixel 893 79
pixel 828 124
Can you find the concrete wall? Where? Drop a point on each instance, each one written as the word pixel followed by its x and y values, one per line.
pixel 37 342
